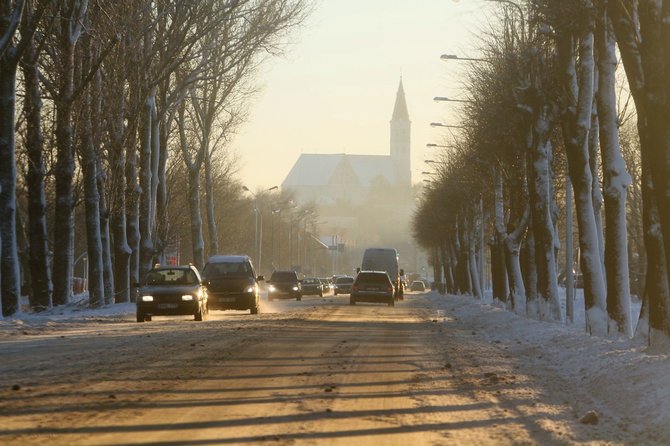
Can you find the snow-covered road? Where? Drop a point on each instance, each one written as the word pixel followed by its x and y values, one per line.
pixel 432 370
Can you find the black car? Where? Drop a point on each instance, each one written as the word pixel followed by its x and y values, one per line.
pixel 311 286
pixel 343 285
pixel 284 285
pixel 172 290
pixel 372 286
pixel 232 283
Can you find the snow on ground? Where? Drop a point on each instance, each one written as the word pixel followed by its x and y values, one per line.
pixel 620 379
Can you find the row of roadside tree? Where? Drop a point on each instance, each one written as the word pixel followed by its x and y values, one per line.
pixel 114 124
pixel 547 117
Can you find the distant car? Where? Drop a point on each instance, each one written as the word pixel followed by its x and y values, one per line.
pixel 284 285
pixel 343 285
pixel 418 285
pixel 326 284
pixel 232 283
pixel 311 286
pixel 372 286
pixel 172 290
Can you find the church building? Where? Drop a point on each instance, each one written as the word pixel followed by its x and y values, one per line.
pixel 362 200
pixel 329 179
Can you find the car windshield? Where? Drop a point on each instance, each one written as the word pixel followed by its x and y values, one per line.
pixel 227 269
pixel 283 277
pixel 381 279
pixel 171 277
pixel 344 280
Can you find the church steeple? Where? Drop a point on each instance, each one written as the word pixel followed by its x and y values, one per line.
pixel 400 108
pixel 401 139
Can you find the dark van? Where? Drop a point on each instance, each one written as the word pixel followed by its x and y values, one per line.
pixel 232 283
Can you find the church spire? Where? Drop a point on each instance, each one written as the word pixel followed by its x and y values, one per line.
pixel 400 108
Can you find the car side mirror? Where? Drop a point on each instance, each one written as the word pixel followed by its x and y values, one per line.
pixel 402 272
pixel 260 278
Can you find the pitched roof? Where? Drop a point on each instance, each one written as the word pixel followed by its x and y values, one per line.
pixel 314 169
pixel 400 109
pixel 369 167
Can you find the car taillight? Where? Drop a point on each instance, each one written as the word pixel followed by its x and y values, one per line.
pixel 354 287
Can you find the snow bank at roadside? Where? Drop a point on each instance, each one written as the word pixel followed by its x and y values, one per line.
pixel 629 383
pixel 57 318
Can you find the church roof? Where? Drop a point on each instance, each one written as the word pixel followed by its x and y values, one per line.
pixel 313 169
pixel 400 109
pixel 369 167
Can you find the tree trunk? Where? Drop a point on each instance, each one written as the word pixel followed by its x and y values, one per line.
pixel 211 219
pixel 197 241
pixel 547 306
pixel 616 181
pixel 10 276
pixel 577 108
pixel 89 156
pixel 146 205
pixel 500 285
pixel 40 271
pixel 64 173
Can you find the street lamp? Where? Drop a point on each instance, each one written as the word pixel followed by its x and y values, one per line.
pixel 439 124
pixel 446 99
pixel 258 229
pixel 446 57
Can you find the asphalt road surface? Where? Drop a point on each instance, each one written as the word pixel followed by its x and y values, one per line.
pixel 312 372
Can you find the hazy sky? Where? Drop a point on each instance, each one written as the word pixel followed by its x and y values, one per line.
pixel 334 90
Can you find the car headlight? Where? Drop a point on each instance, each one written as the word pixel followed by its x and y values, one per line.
pixel 249 289
pixel 147 298
pixel 295 288
pixel 272 289
pixel 187 297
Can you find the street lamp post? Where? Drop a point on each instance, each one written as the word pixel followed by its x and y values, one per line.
pixel 272 236
pixel 258 226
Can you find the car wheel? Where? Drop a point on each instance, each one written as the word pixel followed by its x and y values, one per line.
pixel 392 303
pixel 140 317
pixel 352 301
pixel 254 309
pixel 321 294
pixel 147 318
pixel 299 298
pixel 198 314
pixel 335 293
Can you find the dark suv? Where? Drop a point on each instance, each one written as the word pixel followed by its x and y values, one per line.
pixel 232 283
pixel 284 285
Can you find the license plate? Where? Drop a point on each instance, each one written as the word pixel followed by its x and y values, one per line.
pixel 225 299
pixel 166 306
